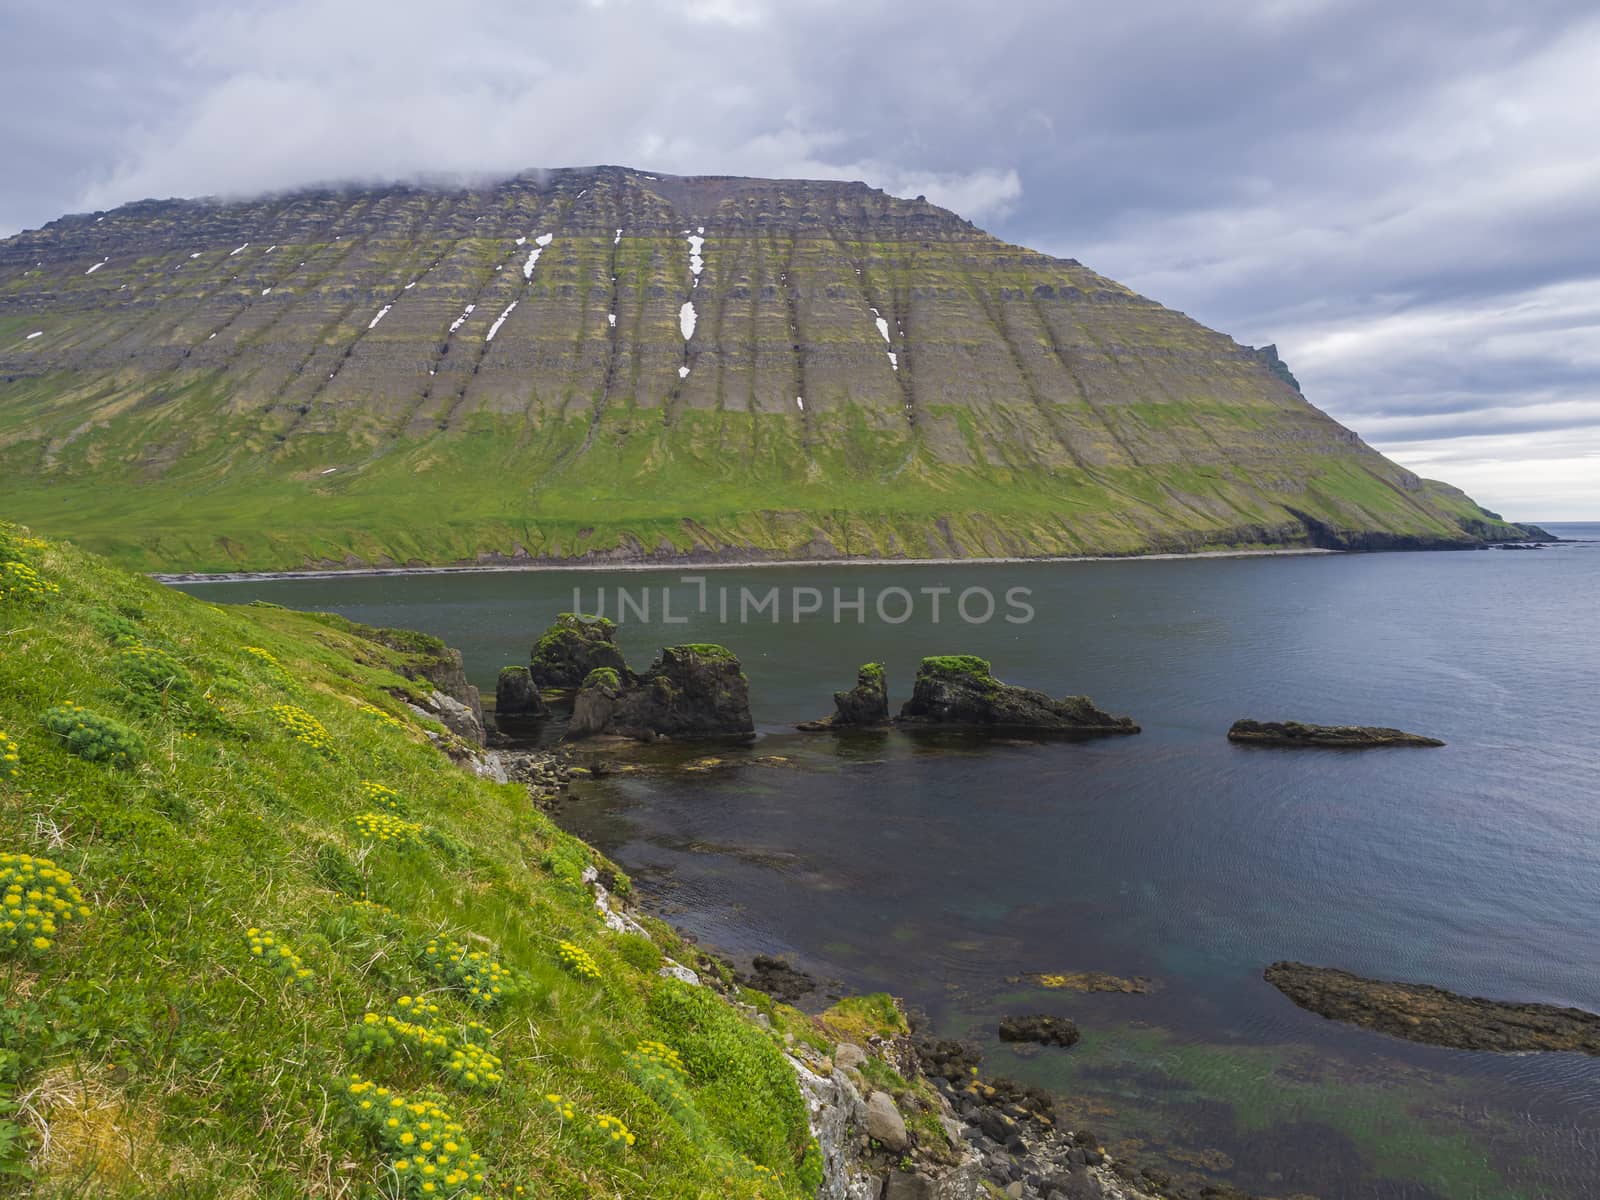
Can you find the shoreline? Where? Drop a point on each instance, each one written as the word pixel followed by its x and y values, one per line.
pixel 718 565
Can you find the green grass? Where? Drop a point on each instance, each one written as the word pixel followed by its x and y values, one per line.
pixel 163 1058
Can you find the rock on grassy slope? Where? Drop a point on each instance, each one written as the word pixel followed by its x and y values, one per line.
pixel 295 911
pixel 610 364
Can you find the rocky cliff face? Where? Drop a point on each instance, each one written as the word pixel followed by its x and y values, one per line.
pixel 610 364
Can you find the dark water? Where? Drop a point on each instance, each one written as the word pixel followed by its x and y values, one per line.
pixel 943 871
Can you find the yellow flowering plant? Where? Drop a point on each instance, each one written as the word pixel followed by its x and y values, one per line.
pixel 386 827
pixel 20 583
pixel 36 899
pixel 265 656
pixel 303 727
pixel 426 1152
pixel 577 960
pixel 277 955
pixel 462 1051
pixel 10 759
pixel 383 715
pixel 602 1127
pixel 380 796
pixel 482 980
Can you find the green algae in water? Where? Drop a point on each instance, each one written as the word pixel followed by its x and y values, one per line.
pixel 1270 1087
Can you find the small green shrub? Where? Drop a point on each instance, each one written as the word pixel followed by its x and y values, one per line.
pixel 639 952
pixel 116 629
pixel 746 1089
pixel 93 737
pixel 859 1018
pixel 482 980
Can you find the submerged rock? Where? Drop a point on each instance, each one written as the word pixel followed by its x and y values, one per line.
pixel 864 706
pixel 778 978
pixel 960 690
pixel 516 696
pixel 694 690
pixel 1419 1012
pixel 1093 981
pixel 1293 733
pixel 573 646
pixel 1042 1028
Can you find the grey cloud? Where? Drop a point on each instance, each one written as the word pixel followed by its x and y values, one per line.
pixel 1384 190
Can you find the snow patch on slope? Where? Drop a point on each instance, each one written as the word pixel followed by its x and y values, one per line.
pixel 499 321
pixel 462 319
pixel 686 319
pixel 382 313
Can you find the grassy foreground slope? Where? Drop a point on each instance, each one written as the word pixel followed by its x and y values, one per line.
pixel 287 889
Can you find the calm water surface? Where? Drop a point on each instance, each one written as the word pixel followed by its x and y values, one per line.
pixel 944 871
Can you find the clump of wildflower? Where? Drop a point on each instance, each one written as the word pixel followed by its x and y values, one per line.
pixel 613 1130
pixel 271 951
pixel 266 656
pixel 577 960
pixel 462 1051
pixel 36 898
pixel 384 715
pixel 426 1150
pixel 386 827
pixel 21 583
pixel 657 1056
pixel 93 737
pixel 603 1126
pixel 483 981
pixel 561 1106
pixel 303 727
pixel 10 758
pixel 381 797
pixel 372 906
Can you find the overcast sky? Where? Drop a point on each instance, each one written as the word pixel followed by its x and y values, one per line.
pixel 1405 197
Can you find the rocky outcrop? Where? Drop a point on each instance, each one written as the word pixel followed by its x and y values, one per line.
pixel 960 690
pixel 1293 733
pixel 516 696
pixel 1419 1012
pixel 696 690
pixel 572 647
pixel 1041 1029
pixel 595 705
pixel 778 978
pixel 864 706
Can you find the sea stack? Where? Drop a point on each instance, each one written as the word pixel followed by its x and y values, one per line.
pixel 961 690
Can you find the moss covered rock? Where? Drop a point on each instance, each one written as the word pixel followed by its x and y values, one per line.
pixel 961 690
pixel 573 646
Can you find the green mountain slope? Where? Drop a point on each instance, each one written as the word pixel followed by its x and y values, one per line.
pixel 266 848
pixel 607 363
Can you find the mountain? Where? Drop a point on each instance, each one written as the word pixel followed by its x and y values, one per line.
pixel 613 364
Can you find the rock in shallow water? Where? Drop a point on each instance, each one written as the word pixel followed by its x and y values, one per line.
pixel 1293 733
pixel 1422 1013
pixel 961 690
pixel 1042 1028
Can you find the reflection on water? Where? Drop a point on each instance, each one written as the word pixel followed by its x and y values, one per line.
pixel 947 869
